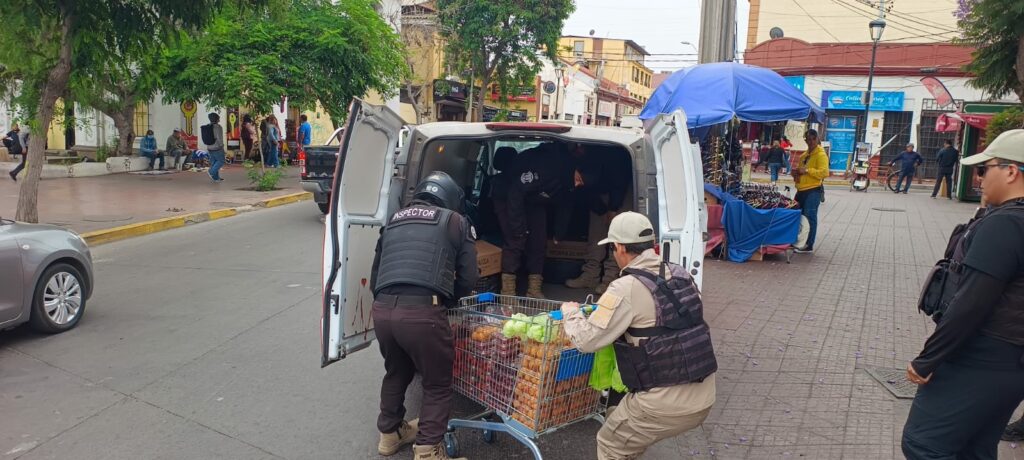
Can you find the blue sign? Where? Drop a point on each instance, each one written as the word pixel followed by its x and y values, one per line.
pixel 842 141
pixel 852 100
pixel 797 82
pixel 837 161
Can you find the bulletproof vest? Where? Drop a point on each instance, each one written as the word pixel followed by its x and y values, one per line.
pixel 677 349
pixel 417 250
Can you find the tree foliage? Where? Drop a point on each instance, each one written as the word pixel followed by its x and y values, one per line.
pixel 1006 120
pixel 501 41
pixel 309 50
pixel 996 29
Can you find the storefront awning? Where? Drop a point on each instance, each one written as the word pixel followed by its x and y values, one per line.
pixel 949 122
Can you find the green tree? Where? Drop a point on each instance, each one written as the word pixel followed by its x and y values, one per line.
pixel 501 41
pixel 309 50
pixel 42 40
pixel 996 29
pixel 1012 118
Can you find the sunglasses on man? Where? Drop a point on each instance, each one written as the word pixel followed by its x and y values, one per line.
pixel 982 169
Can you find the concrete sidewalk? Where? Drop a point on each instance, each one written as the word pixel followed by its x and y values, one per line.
pixel 93 203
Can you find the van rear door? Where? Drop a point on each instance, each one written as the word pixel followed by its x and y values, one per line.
pixel 680 181
pixel 359 210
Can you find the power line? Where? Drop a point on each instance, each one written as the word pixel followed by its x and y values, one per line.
pixel 797 3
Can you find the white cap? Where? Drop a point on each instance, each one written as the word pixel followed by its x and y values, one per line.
pixel 1007 146
pixel 629 228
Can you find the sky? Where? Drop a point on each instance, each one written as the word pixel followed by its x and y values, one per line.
pixel 658 25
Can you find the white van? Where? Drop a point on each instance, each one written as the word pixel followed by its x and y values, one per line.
pixel 375 180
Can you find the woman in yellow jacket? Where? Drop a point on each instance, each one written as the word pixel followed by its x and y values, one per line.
pixel 810 172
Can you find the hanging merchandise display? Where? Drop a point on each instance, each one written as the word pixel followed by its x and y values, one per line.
pixel 765 196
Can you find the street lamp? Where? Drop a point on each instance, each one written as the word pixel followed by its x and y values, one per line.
pixel 559 73
pixel 876 26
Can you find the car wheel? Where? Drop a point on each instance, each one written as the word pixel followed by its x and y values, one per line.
pixel 324 207
pixel 59 299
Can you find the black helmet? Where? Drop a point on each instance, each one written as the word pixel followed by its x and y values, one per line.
pixel 440 189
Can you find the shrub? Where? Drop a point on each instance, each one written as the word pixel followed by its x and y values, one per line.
pixel 1006 120
pixel 263 179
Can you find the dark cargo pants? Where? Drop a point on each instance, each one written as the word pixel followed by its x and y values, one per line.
pixel 414 337
pixel 529 249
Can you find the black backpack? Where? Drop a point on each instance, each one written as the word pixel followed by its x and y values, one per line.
pixel 208 137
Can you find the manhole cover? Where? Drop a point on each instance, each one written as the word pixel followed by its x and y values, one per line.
pixel 889 209
pixel 226 204
pixel 894 380
pixel 102 219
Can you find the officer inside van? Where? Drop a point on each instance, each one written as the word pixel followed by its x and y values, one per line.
pixel 653 315
pixel 425 261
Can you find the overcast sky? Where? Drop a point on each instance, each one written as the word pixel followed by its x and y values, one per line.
pixel 657 25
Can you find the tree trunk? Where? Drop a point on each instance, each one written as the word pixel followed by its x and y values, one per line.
pixel 123 119
pixel 56 84
pixel 414 98
pixel 485 80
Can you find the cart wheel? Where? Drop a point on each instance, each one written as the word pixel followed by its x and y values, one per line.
pixel 451 444
pixel 489 436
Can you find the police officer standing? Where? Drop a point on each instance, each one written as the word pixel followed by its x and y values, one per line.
pixel 971 371
pixel 654 317
pixel 425 261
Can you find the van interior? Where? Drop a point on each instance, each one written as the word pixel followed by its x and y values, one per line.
pixel 469 162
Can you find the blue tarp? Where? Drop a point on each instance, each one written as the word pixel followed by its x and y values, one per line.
pixel 714 93
pixel 747 229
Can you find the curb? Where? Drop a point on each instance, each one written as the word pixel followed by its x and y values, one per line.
pixel 110 235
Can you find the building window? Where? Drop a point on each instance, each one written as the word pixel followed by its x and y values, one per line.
pixel 577 48
pixel 141 119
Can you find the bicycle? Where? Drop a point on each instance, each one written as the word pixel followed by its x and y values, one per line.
pixel 891 178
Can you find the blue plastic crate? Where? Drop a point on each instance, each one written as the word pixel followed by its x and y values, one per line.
pixel 572 363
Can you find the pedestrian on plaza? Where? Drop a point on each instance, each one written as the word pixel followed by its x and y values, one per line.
pixel 13 141
pixel 653 316
pixel 305 135
pixel 776 155
pixel 908 160
pixel 971 370
pixel 946 159
pixel 147 148
pixel 603 181
pixel 810 189
pixel 786 146
pixel 213 137
pixel 272 157
pixel 248 135
pixel 176 146
pixel 425 261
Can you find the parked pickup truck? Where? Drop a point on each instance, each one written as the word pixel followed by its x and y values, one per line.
pixel 317 163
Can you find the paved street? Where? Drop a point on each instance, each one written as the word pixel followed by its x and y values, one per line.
pixel 202 342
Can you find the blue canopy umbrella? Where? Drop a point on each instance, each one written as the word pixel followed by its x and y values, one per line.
pixel 715 93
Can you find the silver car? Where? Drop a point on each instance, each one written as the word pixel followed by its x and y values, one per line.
pixel 45 276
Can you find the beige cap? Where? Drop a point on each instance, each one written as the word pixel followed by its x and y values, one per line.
pixel 1007 146
pixel 629 228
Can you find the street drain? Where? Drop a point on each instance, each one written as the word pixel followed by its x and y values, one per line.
pixel 894 380
pixel 889 209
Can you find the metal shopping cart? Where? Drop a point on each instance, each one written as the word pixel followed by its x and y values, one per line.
pixel 512 358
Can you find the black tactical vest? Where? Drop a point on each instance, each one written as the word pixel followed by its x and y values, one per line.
pixel 417 250
pixel 678 349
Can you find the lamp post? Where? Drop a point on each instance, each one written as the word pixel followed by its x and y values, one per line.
pixel 559 73
pixel 876 26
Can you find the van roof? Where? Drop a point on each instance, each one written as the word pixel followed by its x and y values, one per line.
pixel 623 136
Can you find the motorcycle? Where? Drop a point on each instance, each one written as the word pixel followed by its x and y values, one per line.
pixel 860 181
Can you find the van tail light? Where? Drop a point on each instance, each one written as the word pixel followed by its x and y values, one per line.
pixel 302 164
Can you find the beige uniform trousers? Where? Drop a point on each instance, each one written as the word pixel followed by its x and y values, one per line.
pixel 630 430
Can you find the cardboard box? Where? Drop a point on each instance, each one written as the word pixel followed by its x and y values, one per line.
pixel 576 250
pixel 488 258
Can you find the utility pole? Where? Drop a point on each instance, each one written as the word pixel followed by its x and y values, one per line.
pixel 717 31
pixel 876 27
pixel 597 90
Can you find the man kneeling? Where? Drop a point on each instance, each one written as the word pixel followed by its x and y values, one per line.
pixel 654 317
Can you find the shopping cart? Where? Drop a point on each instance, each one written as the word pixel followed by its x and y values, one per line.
pixel 512 358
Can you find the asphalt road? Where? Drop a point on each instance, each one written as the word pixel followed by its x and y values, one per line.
pixel 203 342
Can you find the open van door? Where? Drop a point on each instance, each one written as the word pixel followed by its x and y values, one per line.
pixel 680 181
pixel 358 211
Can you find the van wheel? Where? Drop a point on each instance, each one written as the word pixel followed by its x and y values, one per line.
pixel 324 207
pixel 58 300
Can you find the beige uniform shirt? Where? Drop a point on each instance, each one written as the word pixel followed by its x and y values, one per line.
pixel 630 304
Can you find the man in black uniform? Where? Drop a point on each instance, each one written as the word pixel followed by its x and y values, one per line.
pixel 971 371
pixel 425 262
pixel 946 159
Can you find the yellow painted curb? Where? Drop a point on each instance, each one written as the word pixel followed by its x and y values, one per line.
pixel 222 213
pixel 286 199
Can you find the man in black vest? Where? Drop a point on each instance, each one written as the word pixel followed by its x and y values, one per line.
pixel 946 160
pixel 971 371
pixel 425 262
pixel 652 314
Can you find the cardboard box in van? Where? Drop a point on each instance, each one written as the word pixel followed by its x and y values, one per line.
pixel 488 258
pixel 576 250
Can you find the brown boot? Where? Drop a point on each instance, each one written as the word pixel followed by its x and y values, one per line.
pixel 390 443
pixel 533 289
pixel 508 284
pixel 435 452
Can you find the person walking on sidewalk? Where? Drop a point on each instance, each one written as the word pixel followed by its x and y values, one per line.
pixel 776 155
pixel 248 136
pixel 810 176
pixel 213 137
pixel 272 156
pixel 13 142
pixel 653 316
pixel 175 146
pixel 305 136
pixel 424 262
pixel 971 370
pixel 946 159
pixel 147 147
pixel 908 160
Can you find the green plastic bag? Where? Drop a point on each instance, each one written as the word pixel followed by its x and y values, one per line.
pixel 605 373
